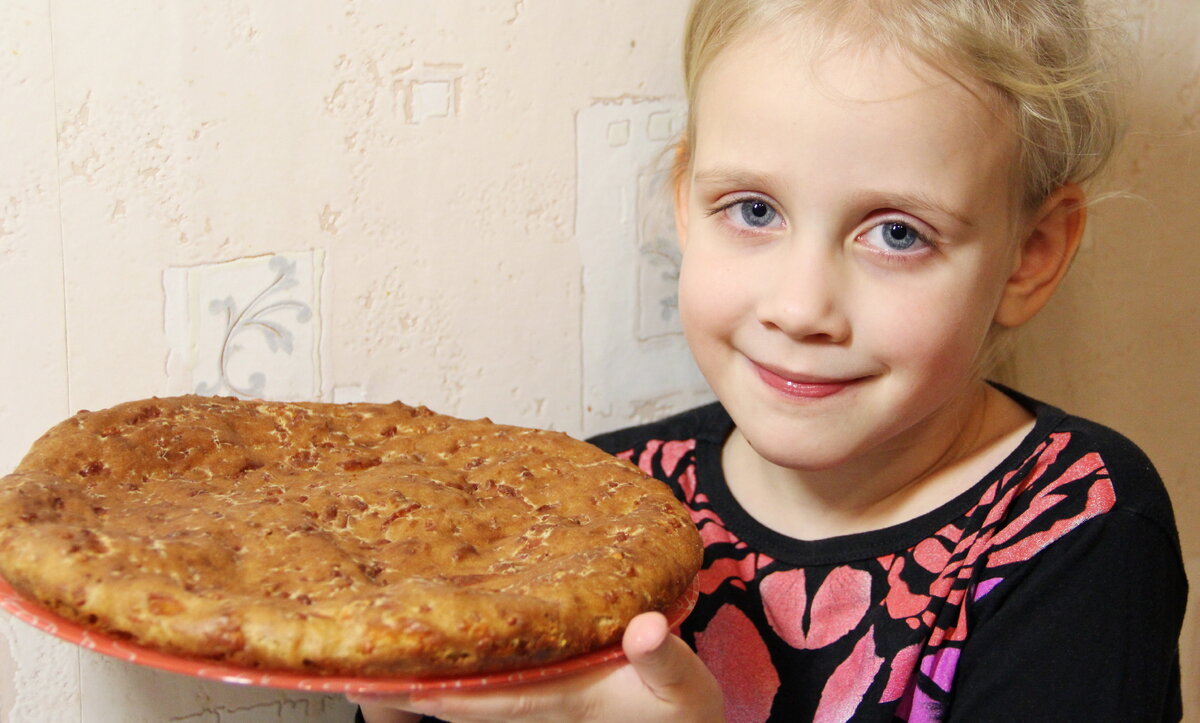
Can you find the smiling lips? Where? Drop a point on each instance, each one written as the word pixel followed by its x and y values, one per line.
pixel 803 387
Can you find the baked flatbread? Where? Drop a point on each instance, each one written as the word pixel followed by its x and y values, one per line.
pixel 348 539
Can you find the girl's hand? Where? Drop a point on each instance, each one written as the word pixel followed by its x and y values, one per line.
pixel 663 681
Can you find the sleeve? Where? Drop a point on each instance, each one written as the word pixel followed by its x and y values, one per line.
pixel 1087 630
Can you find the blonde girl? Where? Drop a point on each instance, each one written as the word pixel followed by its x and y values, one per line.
pixel 869 196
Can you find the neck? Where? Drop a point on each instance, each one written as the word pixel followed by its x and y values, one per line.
pixel 946 455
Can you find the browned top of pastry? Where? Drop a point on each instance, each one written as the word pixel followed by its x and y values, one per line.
pixel 339 538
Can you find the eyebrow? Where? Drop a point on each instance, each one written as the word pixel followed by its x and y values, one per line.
pixel 721 175
pixel 918 201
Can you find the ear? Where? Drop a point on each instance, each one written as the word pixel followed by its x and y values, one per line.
pixel 683 188
pixel 1043 256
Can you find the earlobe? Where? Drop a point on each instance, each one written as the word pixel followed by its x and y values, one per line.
pixel 1043 256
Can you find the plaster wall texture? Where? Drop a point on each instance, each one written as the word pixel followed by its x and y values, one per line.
pixel 455 204
pixel 314 200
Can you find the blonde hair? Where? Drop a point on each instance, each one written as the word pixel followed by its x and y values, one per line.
pixel 1050 62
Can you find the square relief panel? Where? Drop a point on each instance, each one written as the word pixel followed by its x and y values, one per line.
pixel 431 90
pixel 249 327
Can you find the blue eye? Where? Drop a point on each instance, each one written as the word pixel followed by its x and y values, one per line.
pixel 757 214
pixel 899 236
pixel 894 237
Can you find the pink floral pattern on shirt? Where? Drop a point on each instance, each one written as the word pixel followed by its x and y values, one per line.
pixel 884 634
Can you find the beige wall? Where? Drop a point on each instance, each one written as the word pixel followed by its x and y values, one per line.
pixel 408 171
pixel 450 203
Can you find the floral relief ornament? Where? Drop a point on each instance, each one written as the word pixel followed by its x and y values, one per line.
pixel 266 314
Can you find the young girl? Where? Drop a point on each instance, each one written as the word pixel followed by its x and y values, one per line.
pixel 869 195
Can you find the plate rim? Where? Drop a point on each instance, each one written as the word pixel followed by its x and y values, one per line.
pixel 34 614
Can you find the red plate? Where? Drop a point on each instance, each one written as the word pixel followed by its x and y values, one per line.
pixel 73 632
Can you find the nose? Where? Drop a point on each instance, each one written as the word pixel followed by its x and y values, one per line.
pixel 803 295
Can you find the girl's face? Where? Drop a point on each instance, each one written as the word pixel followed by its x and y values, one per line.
pixel 848 226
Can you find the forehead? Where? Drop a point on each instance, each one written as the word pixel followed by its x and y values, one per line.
pixel 783 104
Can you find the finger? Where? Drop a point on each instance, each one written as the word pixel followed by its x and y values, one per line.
pixel 483 706
pixel 644 634
pixel 385 708
pixel 661 660
pixel 394 700
pixel 563 699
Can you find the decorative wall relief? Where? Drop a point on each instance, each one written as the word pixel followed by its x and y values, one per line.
pixel 432 90
pixel 249 327
pixel 658 253
pixel 636 365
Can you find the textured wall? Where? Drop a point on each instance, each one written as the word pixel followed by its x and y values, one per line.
pixel 453 203
pixel 317 199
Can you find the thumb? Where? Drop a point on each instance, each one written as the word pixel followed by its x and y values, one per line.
pixel 661 660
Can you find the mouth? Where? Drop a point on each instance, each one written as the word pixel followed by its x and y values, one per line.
pixel 803 386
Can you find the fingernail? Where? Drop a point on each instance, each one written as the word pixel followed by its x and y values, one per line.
pixel 424 705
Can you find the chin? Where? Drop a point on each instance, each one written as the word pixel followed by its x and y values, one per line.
pixel 790 455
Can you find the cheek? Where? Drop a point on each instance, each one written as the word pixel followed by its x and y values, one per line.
pixel 942 330
pixel 708 297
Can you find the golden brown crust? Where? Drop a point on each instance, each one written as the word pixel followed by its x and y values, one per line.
pixel 356 539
